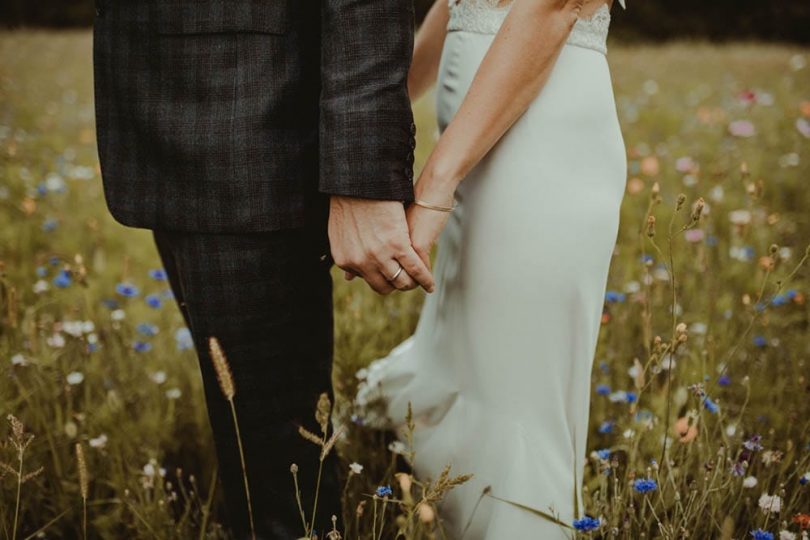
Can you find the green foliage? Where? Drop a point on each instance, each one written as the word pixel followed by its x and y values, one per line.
pixel 784 20
pixel 719 20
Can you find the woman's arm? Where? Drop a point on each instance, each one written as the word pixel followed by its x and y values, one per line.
pixel 427 50
pixel 510 76
pixel 514 69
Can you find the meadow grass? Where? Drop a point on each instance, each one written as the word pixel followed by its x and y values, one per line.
pixel 699 417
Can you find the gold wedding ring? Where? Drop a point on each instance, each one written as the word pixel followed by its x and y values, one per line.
pixel 396 275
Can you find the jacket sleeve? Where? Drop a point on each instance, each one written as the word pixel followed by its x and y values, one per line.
pixel 366 124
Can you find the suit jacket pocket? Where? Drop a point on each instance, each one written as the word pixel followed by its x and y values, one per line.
pixel 215 16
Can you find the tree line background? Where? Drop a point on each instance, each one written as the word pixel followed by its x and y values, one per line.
pixel 645 20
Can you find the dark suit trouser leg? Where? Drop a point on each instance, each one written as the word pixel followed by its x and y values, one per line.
pixel 267 297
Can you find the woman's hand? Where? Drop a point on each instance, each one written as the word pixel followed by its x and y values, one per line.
pixel 425 227
pixel 425 224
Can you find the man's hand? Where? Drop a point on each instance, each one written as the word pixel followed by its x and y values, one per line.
pixel 370 238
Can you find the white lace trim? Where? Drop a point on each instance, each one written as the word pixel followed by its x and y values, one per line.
pixel 486 17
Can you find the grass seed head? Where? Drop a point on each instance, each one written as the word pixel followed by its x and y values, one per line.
pixel 650 226
pixel 82 463
pixel 322 411
pixel 222 368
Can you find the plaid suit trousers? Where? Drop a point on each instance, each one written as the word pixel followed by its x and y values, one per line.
pixel 267 297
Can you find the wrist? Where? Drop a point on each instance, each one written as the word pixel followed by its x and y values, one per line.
pixel 437 185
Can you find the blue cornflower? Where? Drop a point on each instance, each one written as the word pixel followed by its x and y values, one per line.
pixel 749 252
pixel 759 306
pixel 142 346
pixel 759 534
pixel 63 279
pixel 606 426
pixel 183 338
pixel 586 524
pixel 724 380
pixel 780 300
pixel 110 303
pixel 753 443
pixel 614 296
pixel 158 274
pixel 631 397
pixel 646 258
pixel 603 366
pixel 92 347
pixel 154 301
pixel 603 453
pixel 602 389
pixel 791 293
pixel 384 491
pixel 127 290
pixel 710 405
pixel 804 479
pixel 760 341
pixel 41 271
pixel 644 485
pixel 148 330
pixel 49 225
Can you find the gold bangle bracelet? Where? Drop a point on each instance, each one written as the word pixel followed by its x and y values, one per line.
pixel 423 204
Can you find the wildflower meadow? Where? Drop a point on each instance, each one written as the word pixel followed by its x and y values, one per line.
pixel 700 413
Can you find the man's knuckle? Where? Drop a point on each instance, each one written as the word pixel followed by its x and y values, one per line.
pixel 357 258
pixel 398 245
pixel 370 253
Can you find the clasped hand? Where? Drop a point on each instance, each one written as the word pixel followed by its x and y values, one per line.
pixel 374 239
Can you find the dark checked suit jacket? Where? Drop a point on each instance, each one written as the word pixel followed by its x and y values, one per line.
pixel 242 115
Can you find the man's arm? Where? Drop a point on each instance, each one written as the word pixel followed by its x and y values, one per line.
pixel 366 130
pixel 367 139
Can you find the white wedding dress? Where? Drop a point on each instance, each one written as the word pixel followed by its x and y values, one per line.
pixel 499 369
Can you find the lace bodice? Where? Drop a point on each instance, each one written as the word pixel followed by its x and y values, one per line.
pixel 485 17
